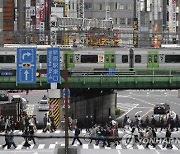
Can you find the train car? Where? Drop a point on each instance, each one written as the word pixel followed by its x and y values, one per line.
pixel 101 59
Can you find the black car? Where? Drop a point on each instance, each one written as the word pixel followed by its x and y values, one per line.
pixel 4 95
pixel 162 108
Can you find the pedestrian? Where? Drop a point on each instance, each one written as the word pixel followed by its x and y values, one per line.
pixel 45 118
pixel 48 125
pixel 76 135
pixel 153 122
pixel 87 123
pixel 93 133
pixel 167 142
pixel 31 134
pixel 177 122
pixel 6 139
pixel 9 139
pixel 116 136
pixel 124 120
pixel 26 135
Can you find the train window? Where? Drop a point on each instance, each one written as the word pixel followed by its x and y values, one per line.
pixel 155 58
pixel 7 59
pixel 124 58
pixel 150 59
pixel 112 59
pixel 172 58
pixel 71 59
pixel 89 58
pixel 107 59
pixel 137 58
pixel 42 58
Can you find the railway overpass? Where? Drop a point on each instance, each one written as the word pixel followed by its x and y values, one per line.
pixel 102 80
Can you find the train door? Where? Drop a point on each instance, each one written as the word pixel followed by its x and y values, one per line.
pixel 109 61
pixel 153 60
pixel 69 59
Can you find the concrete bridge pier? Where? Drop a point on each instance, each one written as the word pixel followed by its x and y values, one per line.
pixel 98 104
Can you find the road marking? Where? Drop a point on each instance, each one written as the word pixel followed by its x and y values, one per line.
pixel 107 147
pixel 140 147
pixel 57 131
pixel 85 146
pixel 174 147
pixel 41 146
pixel 39 131
pixel 138 112
pixel 128 111
pixel 52 146
pixel 147 112
pixel 19 146
pixel 119 152
pixel 96 147
pixel 119 147
pixel 32 145
pixel 161 147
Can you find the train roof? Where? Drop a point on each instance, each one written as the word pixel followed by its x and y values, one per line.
pixel 101 49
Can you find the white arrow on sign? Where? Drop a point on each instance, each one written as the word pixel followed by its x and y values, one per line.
pixel 26 54
pixel 26 74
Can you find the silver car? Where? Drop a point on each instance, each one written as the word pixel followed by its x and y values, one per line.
pixel 43 105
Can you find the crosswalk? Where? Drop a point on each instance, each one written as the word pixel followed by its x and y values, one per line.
pixel 87 145
pixel 93 146
pixel 83 131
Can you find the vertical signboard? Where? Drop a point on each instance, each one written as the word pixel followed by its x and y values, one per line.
pixel 135 32
pixel 53 65
pixel 26 65
pixel 172 16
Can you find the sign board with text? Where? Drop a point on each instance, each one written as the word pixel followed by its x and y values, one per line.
pixel 53 65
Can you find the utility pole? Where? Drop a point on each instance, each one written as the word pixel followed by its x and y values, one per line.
pixel 21 14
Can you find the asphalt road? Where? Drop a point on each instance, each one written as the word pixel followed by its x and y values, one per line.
pixel 142 102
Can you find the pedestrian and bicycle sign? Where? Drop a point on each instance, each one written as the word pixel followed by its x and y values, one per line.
pixel 26 65
pixel 53 65
pixel 64 93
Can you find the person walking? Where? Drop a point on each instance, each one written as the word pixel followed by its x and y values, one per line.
pixel 31 134
pixel 177 122
pixel 9 139
pixel 45 118
pixel 167 143
pixel 76 135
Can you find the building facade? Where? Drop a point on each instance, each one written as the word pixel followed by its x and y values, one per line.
pixel 120 11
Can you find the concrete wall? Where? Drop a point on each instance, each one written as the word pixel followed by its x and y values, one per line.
pixel 96 103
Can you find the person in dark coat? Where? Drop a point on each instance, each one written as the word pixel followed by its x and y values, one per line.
pixel 45 119
pixel 76 135
pixel 9 139
pixel 177 122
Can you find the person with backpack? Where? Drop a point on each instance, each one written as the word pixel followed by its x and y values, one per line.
pixel 76 135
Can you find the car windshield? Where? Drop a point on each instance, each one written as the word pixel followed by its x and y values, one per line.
pixel 43 102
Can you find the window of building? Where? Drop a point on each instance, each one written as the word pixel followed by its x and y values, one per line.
pixel 137 58
pixel 124 58
pixel 119 6
pixel 129 21
pixel 128 6
pixel 89 58
pixel 87 6
pixel 122 21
